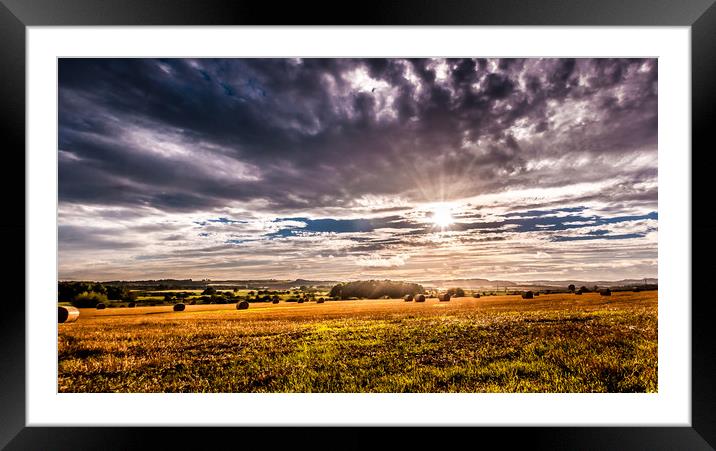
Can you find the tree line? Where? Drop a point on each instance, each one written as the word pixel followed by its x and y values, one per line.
pixel 374 289
pixel 89 294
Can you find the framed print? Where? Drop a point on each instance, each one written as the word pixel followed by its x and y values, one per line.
pixel 425 216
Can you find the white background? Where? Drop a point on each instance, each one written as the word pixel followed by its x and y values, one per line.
pixel 671 406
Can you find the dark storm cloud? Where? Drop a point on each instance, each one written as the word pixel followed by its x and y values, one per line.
pixel 289 135
pixel 90 238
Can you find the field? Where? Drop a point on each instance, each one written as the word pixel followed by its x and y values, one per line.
pixel 553 343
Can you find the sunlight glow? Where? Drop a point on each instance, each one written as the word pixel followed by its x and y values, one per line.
pixel 441 216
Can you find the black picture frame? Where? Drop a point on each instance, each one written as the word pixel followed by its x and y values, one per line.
pixel 16 15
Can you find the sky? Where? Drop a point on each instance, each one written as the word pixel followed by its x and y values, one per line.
pixel 346 169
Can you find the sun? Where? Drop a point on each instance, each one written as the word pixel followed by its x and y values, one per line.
pixel 441 216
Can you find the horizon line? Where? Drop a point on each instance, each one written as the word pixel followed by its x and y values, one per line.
pixel 351 280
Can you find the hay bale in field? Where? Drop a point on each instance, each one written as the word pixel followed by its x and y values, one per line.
pixel 131 305
pixel 606 292
pixel 476 295
pixel 242 305
pixel 320 301
pixel 101 306
pixel 67 314
pixel 420 298
pixel 527 295
pixel 578 292
pixel 444 297
pixel 408 298
pixel 179 307
pixel 275 301
pixel 301 300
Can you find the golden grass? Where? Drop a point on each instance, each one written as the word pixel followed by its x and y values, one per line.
pixel 552 343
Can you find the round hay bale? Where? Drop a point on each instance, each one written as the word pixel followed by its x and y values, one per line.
pixel 527 295
pixel 408 298
pixel 320 301
pixel 578 292
pixel 67 314
pixel 179 307
pixel 476 295
pixel 420 298
pixel 301 301
pixel 101 306
pixel 275 301
pixel 242 305
pixel 131 305
pixel 444 297
pixel 606 292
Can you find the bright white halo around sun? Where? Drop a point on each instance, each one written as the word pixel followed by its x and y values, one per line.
pixel 442 216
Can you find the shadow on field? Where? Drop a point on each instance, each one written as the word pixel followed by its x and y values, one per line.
pixel 560 320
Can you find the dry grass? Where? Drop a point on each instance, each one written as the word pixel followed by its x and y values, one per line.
pixel 553 343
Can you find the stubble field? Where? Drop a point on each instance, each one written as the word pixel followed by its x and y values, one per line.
pixel 553 343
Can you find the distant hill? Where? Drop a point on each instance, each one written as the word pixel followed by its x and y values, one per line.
pixel 279 284
pixel 275 284
pixel 467 283
pixel 492 284
pixel 179 284
pixel 591 283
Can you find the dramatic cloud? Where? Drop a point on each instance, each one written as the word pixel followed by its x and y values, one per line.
pixel 332 168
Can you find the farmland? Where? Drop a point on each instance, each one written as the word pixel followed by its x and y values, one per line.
pixel 552 343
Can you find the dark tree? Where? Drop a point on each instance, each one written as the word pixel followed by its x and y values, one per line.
pixel 66 291
pixel 99 288
pixel 120 293
pixel 375 289
pixel 88 299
